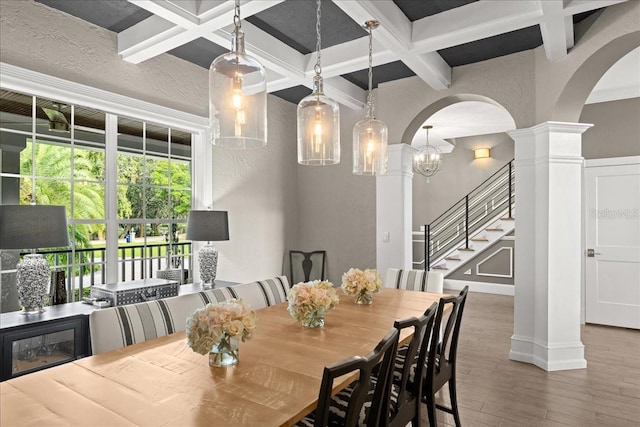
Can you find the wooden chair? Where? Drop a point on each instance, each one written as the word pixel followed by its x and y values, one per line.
pixel 441 359
pixel 404 399
pixel 306 266
pixel 362 403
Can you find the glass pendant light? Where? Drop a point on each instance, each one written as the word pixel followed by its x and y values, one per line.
pixel 369 134
pixel 318 120
pixel 427 160
pixel 237 96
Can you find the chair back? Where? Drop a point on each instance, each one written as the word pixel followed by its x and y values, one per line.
pixel 380 362
pixel 415 280
pixel 408 399
pixel 444 341
pixel 306 266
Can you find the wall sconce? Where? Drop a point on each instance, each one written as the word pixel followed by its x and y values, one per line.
pixel 481 153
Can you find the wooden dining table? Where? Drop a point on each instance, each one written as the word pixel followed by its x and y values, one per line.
pixel 162 382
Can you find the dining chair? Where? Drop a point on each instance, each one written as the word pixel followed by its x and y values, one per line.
pixel 306 266
pixel 362 402
pixel 441 359
pixel 415 280
pixel 405 397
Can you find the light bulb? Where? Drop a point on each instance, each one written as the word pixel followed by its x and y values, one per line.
pixel 237 97
pixel 317 131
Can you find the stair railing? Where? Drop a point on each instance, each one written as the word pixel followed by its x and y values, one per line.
pixel 458 223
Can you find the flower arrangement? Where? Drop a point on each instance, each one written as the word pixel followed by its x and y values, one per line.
pixel 361 284
pixel 310 301
pixel 216 324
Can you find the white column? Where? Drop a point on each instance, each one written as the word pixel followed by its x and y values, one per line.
pixel 394 203
pixel 548 179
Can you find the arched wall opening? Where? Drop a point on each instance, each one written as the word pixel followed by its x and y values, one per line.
pixel 569 106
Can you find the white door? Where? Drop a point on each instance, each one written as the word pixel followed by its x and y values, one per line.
pixel 612 266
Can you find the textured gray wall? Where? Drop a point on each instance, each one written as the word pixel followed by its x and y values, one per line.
pixel 616 130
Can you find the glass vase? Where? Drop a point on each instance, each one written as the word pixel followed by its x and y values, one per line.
pixel 313 320
pixel 364 298
pixel 225 353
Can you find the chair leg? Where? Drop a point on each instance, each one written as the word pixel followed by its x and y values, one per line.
pixel 454 400
pixel 430 400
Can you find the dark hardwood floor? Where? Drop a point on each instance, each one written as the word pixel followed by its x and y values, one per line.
pixel 495 391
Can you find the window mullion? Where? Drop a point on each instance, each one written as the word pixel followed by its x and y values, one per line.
pixel 111 196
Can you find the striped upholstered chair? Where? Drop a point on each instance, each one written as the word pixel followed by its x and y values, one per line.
pixel 120 326
pixel 415 280
pixel 262 293
pixel 117 327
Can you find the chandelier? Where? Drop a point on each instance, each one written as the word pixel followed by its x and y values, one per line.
pixel 427 160
pixel 318 119
pixel 237 96
pixel 370 135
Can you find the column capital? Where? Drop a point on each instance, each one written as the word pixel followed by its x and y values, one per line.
pixel 559 141
pixel 399 160
pixel 550 127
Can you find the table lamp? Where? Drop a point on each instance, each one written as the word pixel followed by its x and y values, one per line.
pixel 208 226
pixel 33 227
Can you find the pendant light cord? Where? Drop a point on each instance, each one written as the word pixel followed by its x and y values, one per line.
pixel 236 17
pixel 369 95
pixel 318 68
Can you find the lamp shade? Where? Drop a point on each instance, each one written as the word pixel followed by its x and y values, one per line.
pixel 209 226
pixel 33 227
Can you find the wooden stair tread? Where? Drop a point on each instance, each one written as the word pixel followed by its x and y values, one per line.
pixel 466 249
pixel 479 239
pixel 437 267
pixel 452 258
pixel 506 218
pixel 493 229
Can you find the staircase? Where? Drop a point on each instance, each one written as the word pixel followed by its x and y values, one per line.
pixel 470 226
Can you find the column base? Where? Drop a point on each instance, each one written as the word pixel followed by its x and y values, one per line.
pixel 550 357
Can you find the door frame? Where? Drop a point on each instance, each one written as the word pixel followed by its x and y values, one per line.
pixel 611 161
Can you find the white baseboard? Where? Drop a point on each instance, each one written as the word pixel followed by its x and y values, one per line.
pixel 482 287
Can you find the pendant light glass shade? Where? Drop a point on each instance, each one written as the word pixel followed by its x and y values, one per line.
pixel 237 97
pixel 318 129
pixel 370 135
pixel 318 118
pixel 370 147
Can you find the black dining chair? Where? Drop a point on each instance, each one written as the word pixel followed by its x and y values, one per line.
pixel 404 399
pixel 441 359
pixel 362 402
pixel 306 266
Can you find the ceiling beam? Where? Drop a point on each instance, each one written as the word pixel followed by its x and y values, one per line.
pixel 394 33
pixel 288 62
pixel 168 28
pixel 472 22
pixel 578 6
pixel 157 35
pixel 554 28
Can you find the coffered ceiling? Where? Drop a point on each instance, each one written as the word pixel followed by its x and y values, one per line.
pixel 425 38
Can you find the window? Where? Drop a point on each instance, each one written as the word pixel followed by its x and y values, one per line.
pixel 56 154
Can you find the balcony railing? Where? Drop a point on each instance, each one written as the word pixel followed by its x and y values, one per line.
pixel 88 266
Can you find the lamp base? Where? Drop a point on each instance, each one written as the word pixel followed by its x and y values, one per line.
pixel 208 259
pixel 33 277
